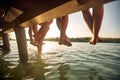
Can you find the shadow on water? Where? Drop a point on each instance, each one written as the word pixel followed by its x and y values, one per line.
pixel 23 71
pixel 93 74
pixel 28 70
pixel 63 71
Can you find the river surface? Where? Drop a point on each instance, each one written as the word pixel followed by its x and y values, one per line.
pixel 82 61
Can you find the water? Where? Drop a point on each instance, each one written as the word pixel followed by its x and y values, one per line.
pixel 82 61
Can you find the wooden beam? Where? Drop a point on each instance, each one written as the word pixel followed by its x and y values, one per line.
pixel 65 9
pixel 33 8
pixel 29 9
pixel 37 16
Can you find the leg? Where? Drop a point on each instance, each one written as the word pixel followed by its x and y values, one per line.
pixel 94 22
pixel 97 21
pixel 30 31
pixel 62 23
pixel 35 29
pixel 41 38
pixel 30 34
pixel 42 32
pixel 88 19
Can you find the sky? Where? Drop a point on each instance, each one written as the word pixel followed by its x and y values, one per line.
pixel 77 27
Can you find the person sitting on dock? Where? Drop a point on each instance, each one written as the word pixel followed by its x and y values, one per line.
pixel 94 22
pixel 40 34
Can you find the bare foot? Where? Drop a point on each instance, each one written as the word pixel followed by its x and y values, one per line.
pixel 33 43
pixel 66 42
pixel 61 43
pixel 36 38
pixel 94 40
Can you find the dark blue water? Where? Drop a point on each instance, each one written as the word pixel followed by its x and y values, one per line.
pixel 82 61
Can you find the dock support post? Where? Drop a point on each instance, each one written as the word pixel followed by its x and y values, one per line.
pixel 22 44
pixel 6 44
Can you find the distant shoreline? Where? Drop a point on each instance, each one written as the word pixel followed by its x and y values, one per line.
pixel 85 39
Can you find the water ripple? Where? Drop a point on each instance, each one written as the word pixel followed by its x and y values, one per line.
pixel 79 62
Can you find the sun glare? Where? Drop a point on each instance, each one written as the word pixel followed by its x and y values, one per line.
pixel 47 47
